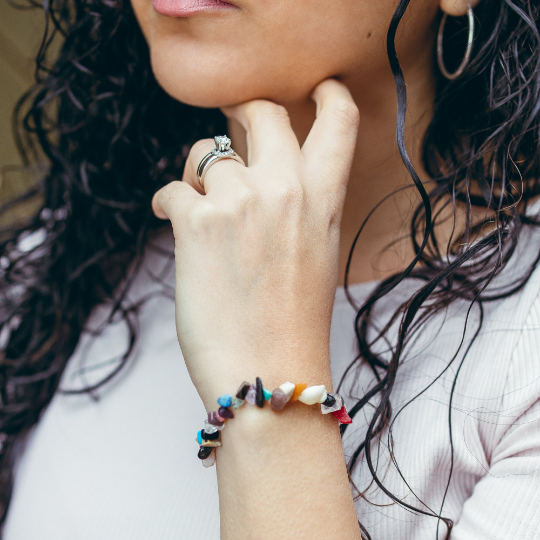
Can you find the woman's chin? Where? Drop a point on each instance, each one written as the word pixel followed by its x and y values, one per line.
pixel 199 92
pixel 203 101
pixel 198 89
pixel 207 97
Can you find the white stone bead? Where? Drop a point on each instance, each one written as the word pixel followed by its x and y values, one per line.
pixel 210 460
pixel 312 394
pixel 323 397
pixel 288 389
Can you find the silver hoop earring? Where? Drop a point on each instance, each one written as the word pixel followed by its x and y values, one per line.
pixel 465 61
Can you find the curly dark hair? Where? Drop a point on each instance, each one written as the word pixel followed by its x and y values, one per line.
pixel 111 137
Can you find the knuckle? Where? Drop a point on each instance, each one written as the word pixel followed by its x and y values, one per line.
pixel 169 191
pixel 208 217
pixel 244 198
pixel 201 217
pixel 346 112
pixel 236 206
pixel 291 193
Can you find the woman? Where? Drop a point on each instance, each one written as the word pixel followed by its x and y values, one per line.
pixel 429 333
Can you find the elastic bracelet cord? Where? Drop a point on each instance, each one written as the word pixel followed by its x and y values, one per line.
pixel 208 438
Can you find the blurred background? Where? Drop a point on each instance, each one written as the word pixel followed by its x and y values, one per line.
pixel 20 36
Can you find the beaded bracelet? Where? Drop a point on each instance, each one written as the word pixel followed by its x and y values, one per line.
pixel 208 438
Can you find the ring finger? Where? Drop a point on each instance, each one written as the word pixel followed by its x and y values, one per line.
pixel 224 171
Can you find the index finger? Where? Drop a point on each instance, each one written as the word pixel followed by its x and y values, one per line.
pixel 332 139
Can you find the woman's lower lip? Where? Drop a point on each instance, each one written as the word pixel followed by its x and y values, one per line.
pixel 185 8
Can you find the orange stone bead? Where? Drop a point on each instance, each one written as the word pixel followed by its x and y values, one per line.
pixel 298 389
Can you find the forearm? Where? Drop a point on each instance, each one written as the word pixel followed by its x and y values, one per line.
pixel 283 475
pixel 256 274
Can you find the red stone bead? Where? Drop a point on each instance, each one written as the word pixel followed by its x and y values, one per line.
pixel 343 416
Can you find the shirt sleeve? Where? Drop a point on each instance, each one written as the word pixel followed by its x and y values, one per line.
pixel 505 503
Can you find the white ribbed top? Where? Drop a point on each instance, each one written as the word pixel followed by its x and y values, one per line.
pixel 125 467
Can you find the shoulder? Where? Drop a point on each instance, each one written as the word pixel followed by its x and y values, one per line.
pixel 502 383
pixel 500 377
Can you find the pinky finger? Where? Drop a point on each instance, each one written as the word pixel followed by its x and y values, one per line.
pixel 174 200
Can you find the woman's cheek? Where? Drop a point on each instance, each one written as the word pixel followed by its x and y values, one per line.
pixel 278 51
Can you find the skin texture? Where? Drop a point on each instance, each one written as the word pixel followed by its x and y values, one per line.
pixel 293 45
pixel 260 249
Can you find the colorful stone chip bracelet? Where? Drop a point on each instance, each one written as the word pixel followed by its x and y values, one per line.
pixel 255 394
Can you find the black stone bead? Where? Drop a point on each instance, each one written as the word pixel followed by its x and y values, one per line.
pixel 204 452
pixel 259 397
pixel 225 412
pixel 330 401
pixel 243 390
pixel 209 436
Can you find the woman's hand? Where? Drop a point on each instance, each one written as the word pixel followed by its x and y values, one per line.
pixel 257 250
pixel 256 274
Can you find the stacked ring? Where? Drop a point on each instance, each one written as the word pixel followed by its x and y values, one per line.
pixel 208 438
pixel 222 150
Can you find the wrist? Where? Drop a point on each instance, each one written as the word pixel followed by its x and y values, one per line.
pixel 265 428
pixel 314 370
pixel 256 396
pixel 278 461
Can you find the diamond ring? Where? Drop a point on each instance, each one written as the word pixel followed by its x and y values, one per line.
pixel 222 150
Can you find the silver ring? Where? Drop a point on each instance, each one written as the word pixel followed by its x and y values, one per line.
pixel 222 150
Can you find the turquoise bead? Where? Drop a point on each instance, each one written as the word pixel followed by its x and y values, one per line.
pixel 199 437
pixel 267 394
pixel 225 400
